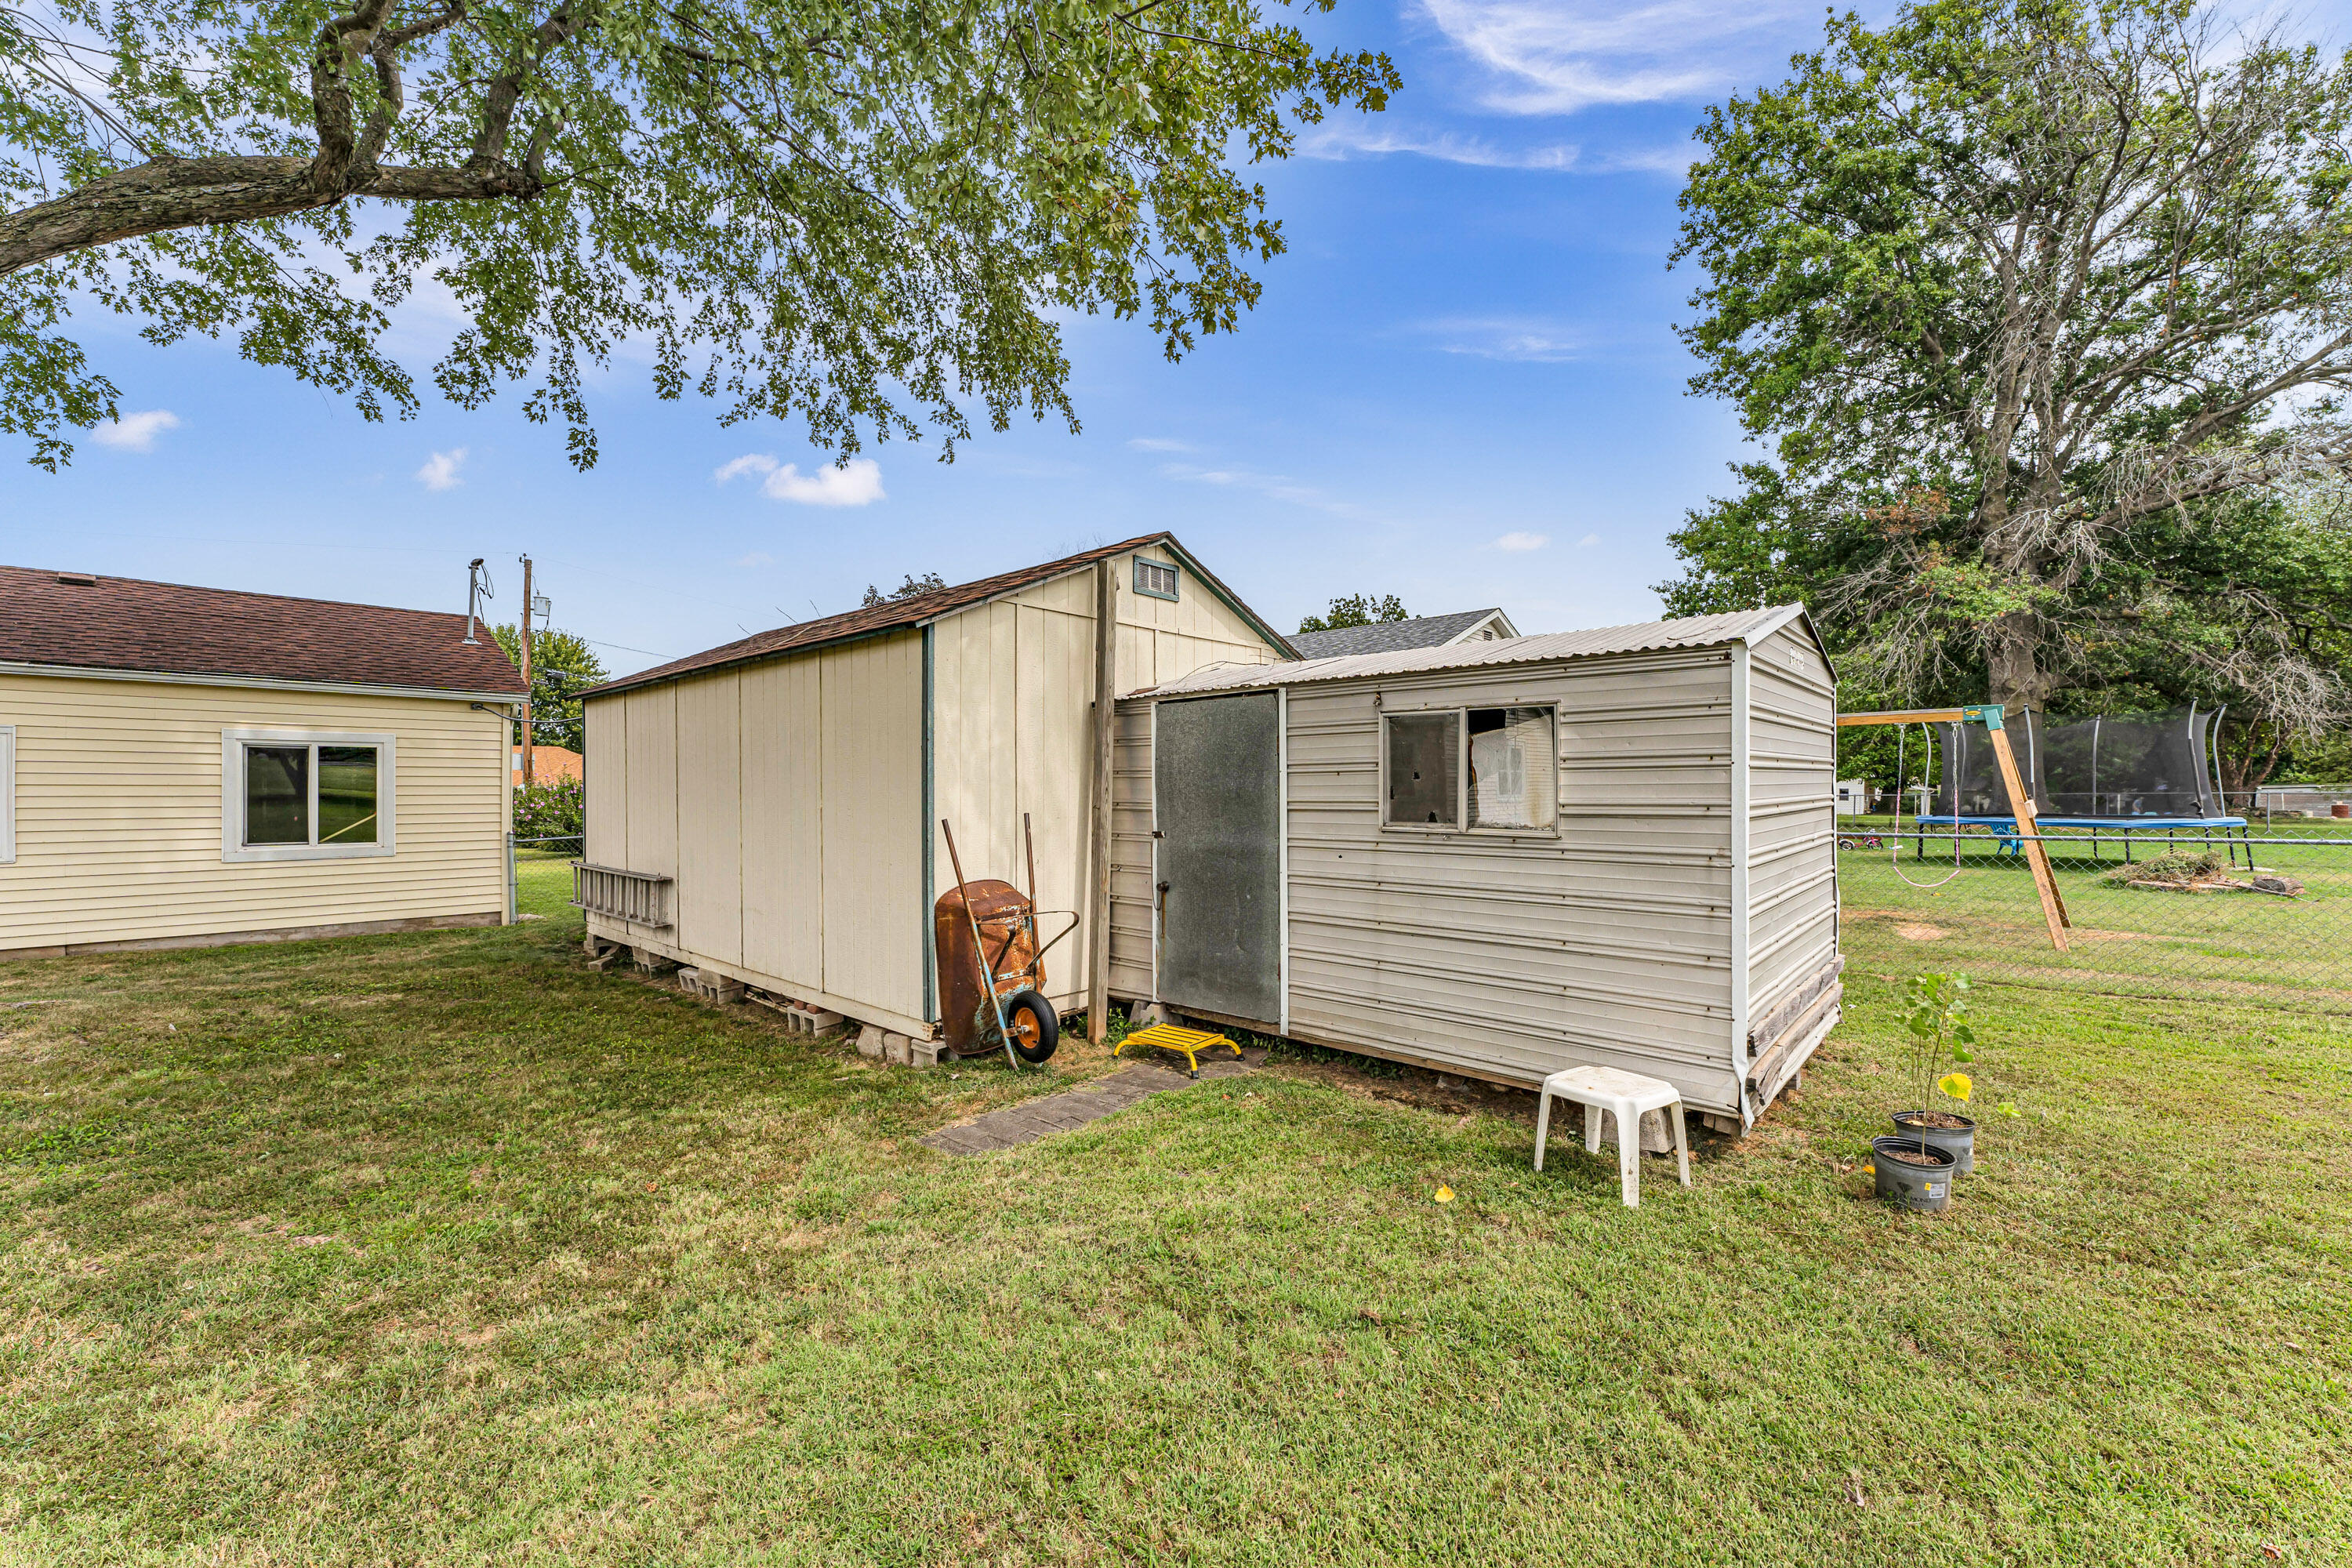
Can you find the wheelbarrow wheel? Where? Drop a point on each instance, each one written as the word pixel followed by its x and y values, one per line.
pixel 1035 1028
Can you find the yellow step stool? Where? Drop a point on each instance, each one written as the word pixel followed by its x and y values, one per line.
pixel 1189 1042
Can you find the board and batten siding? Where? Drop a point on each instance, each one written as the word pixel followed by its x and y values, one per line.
pixel 1509 955
pixel 1013 716
pixel 118 807
pixel 1792 919
pixel 784 799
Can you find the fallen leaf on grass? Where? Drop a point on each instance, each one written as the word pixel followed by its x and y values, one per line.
pixel 2272 1553
pixel 1445 1194
pixel 1853 1492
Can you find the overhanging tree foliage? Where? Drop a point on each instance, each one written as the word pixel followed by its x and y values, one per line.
pixel 867 213
pixel 2045 308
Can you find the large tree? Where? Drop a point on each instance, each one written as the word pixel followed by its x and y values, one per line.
pixel 865 213
pixel 2042 307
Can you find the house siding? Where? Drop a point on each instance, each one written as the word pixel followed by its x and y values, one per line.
pixel 119 811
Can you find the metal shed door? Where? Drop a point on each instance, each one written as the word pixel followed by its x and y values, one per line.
pixel 1217 796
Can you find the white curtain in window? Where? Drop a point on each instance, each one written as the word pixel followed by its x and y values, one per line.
pixel 1514 776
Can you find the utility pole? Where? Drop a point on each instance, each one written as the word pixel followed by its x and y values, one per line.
pixel 525 640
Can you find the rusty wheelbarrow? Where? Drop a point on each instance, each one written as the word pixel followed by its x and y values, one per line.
pixel 992 966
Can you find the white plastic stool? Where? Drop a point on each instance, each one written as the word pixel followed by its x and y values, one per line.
pixel 1625 1096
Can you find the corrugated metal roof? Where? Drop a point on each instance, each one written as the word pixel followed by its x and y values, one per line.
pixel 1648 637
pixel 1388 637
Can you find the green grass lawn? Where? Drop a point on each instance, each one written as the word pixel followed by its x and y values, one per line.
pixel 2224 945
pixel 443 1248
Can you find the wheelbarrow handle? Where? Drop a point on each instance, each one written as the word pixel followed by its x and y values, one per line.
pixel 979 947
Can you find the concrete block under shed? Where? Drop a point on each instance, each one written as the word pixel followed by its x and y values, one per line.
pixel 871 1041
pixel 710 985
pixel 1657 1138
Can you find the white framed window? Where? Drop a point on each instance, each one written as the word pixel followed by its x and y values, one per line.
pixel 1471 769
pixel 7 794
pixel 1155 579
pixel 305 794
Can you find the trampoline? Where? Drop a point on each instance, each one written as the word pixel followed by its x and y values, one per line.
pixel 2137 778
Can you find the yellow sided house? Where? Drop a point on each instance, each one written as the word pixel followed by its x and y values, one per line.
pixel 184 766
pixel 768 811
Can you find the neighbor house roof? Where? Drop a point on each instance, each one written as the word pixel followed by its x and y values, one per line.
pixel 920 609
pixel 1388 637
pixel 79 621
pixel 1647 636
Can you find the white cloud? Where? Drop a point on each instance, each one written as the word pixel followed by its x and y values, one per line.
pixel 1159 444
pixel 750 463
pixel 136 432
pixel 756 558
pixel 855 483
pixel 1275 487
pixel 1339 140
pixel 1518 541
pixel 1588 542
pixel 440 469
pixel 1556 57
pixel 1506 338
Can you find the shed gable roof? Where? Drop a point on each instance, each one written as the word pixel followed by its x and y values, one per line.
pixel 1389 637
pixel 1646 636
pixel 81 621
pixel 918 610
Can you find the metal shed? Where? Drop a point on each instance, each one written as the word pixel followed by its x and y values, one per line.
pixel 1612 846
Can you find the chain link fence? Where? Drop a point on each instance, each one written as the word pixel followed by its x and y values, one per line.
pixel 2259 914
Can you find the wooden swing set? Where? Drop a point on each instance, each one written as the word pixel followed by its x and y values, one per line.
pixel 2020 802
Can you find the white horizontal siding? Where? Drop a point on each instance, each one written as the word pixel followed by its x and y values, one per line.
pixel 1792 833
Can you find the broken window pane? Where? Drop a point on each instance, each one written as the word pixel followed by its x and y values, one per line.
pixel 1514 768
pixel 1423 762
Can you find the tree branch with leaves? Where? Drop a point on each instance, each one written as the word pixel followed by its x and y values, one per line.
pixel 865 213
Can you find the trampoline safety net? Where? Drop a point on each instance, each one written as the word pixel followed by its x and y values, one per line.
pixel 2138 765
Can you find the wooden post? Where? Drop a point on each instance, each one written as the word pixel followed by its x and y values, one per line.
pixel 525 641
pixel 2021 806
pixel 1098 857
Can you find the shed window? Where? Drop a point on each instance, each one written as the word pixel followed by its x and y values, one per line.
pixel 292 796
pixel 1424 768
pixel 1156 579
pixel 1514 768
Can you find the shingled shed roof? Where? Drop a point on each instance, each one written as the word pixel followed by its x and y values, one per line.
pixel 1645 637
pixel 1388 637
pixel 920 609
pixel 78 620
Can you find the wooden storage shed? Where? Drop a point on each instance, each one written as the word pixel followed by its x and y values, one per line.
pixel 768 811
pixel 1500 859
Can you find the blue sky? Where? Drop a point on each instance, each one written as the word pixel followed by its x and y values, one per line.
pixel 1461 386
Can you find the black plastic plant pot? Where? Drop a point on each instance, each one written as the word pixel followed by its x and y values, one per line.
pixel 1960 1143
pixel 1906 1180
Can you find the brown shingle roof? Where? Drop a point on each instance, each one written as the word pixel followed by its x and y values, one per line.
pixel 912 612
pixel 82 622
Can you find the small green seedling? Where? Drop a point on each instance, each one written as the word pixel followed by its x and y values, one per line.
pixel 1939 1034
